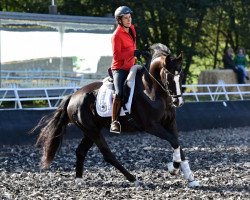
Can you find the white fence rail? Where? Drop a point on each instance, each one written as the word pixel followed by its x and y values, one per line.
pixel 49 98
pixel 46 78
pixel 33 98
pixel 217 92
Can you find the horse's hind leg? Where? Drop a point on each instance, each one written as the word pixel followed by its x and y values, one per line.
pixel 81 153
pixel 109 157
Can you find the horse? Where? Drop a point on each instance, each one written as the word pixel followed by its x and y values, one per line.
pixel 157 94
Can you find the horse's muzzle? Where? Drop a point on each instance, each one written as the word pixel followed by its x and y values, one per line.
pixel 178 101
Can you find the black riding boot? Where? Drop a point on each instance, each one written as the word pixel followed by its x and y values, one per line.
pixel 115 124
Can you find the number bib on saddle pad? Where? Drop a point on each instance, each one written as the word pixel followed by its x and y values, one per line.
pixel 105 95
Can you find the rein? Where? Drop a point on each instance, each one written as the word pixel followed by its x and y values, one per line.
pixel 165 89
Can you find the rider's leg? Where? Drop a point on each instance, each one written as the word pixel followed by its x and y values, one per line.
pixel 119 77
pixel 116 107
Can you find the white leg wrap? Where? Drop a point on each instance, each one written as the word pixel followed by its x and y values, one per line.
pixel 188 174
pixel 172 170
pixel 177 155
pixel 193 184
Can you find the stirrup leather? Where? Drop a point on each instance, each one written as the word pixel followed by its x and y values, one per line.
pixel 115 127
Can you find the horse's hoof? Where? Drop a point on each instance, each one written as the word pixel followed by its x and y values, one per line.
pixel 172 170
pixel 132 178
pixel 79 181
pixel 193 184
pixel 137 182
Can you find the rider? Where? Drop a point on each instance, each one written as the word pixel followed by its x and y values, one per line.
pixel 124 53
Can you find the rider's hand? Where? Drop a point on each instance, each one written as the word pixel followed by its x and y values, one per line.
pixel 137 53
pixel 145 54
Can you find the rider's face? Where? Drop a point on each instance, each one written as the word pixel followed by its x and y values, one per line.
pixel 127 20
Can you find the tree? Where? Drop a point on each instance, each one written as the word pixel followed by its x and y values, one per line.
pixel 201 29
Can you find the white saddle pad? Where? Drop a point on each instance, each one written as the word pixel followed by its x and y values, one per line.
pixel 104 97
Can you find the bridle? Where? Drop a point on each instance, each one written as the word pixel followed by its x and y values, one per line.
pixel 167 72
pixel 165 87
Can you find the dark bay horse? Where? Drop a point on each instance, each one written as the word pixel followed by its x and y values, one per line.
pixel 157 94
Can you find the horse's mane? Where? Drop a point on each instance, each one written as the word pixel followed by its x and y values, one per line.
pixel 159 49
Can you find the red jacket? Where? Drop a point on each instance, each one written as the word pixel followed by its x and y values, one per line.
pixel 123 47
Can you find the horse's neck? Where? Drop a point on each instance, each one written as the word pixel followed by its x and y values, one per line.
pixel 152 103
pixel 149 90
pixel 152 87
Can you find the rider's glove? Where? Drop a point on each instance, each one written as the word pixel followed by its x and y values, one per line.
pixel 145 54
pixel 137 53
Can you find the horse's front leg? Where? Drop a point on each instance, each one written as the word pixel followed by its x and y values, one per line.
pixel 179 160
pixel 109 157
pixel 173 167
pixel 188 174
pixel 169 124
pixel 178 154
pixel 170 134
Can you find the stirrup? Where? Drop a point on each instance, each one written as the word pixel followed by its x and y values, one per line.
pixel 114 127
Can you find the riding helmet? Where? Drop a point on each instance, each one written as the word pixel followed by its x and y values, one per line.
pixel 122 10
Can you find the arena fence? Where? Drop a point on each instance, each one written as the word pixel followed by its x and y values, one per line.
pixel 49 98
pixel 216 92
pixel 15 124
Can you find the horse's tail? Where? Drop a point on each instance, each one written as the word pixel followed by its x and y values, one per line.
pixel 53 128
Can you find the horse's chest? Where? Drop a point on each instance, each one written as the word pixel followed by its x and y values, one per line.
pixel 155 111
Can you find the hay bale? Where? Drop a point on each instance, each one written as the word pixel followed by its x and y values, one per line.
pixel 215 76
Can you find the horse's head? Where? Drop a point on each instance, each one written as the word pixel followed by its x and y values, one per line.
pixel 171 77
pixel 166 73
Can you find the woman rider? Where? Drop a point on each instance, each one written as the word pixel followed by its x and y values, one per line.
pixel 124 52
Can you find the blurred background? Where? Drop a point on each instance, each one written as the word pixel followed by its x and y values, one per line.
pixel 201 29
pixel 59 43
pixel 49 49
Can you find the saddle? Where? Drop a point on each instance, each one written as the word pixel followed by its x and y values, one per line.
pixel 105 94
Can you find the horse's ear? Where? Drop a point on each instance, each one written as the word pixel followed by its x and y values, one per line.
pixel 168 59
pixel 180 57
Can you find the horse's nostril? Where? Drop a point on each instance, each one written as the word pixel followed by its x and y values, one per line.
pixel 175 101
pixel 178 102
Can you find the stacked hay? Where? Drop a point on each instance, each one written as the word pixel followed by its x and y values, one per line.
pixel 216 76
